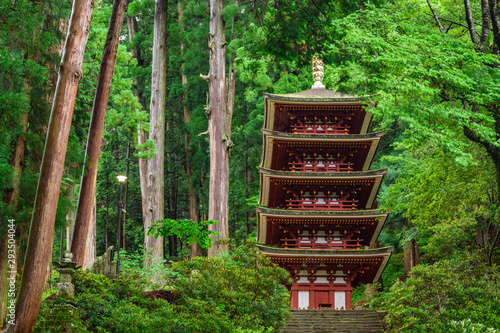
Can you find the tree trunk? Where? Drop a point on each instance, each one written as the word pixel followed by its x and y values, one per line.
pixel 90 250
pixel 218 132
pixel 143 163
pixel 88 183
pixel 70 219
pixel 411 257
pixel 106 240
pixel 127 168
pixel 49 184
pixel 90 246
pixel 156 173
pixel 143 176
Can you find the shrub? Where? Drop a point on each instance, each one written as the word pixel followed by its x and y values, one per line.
pixel 445 296
pixel 240 291
pixel 243 284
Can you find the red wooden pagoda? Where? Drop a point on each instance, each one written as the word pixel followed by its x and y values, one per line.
pixel 318 217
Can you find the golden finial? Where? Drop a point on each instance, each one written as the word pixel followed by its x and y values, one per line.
pixel 318 72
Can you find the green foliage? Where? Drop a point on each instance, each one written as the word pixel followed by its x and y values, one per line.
pixel 187 231
pixel 242 284
pixel 155 274
pixel 298 29
pixel 240 291
pixel 29 34
pixel 424 78
pixel 449 294
pixel 445 201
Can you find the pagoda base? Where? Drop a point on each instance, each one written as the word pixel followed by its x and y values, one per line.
pixel 320 297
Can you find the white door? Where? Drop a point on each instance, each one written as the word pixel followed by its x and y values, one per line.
pixel 340 300
pixel 303 299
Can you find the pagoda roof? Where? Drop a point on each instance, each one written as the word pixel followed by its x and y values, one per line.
pixel 320 95
pixel 270 220
pixel 271 192
pixel 272 156
pixel 316 101
pixel 376 258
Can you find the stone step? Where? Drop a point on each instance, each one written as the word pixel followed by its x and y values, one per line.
pixel 334 321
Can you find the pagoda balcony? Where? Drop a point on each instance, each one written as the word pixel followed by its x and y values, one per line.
pixel 318 243
pixel 320 166
pixel 327 127
pixel 321 203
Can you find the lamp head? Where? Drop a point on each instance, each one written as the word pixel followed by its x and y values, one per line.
pixel 121 179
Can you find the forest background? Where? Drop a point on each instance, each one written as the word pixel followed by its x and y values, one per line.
pixel 434 66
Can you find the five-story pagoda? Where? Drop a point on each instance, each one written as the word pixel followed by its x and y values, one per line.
pixel 318 217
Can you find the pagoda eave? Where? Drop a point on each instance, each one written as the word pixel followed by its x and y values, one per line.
pixel 377 258
pixel 272 221
pixel 276 118
pixel 274 183
pixel 277 146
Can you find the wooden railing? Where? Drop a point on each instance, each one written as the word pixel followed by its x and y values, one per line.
pixel 314 242
pixel 320 166
pixel 321 204
pixel 336 129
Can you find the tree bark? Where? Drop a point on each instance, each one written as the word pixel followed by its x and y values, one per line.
pixel 143 176
pixel 70 219
pixel 156 173
pixel 411 256
pixel 485 29
pixel 90 251
pixel 495 24
pixel 124 227
pixel 88 183
pixel 49 184
pixel 143 163
pixel 218 133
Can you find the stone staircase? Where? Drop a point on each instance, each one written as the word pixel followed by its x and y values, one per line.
pixel 334 321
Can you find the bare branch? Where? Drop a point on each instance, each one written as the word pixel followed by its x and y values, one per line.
pixel 436 17
pixel 456 23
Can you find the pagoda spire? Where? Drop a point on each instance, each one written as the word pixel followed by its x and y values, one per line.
pixel 318 72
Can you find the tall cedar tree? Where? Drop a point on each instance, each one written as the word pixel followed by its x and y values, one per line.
pixel 88 183
pixel 44 210
pixel 156 173
pixel 219 128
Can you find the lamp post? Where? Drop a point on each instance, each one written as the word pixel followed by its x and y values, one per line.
pixel 121 180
